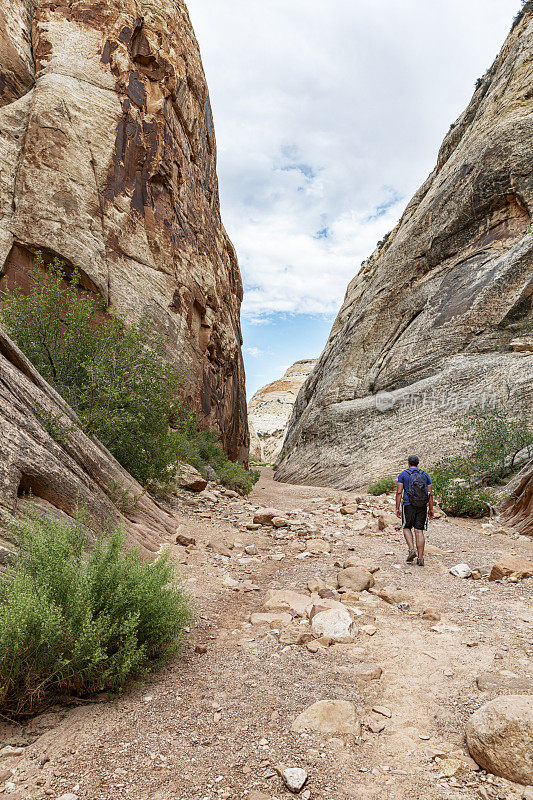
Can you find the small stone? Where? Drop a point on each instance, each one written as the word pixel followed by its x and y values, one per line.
pixel 461 571
pixel 350 508
pixel 370 630
pixel 328 716
pixel 251 550
pixel 313 646
pixel 253 526
pixel 280 522
pixel 383 710
pixel 229 582
pixel 366 672
pixel 376 727
pixel 201 649
pixel 326 594
pixel 10 752
pixel 476 575
pixel 431 614
pixel 185 541
pixel 315 584
pixel 317 546
pixel 265 516
pixel 294 778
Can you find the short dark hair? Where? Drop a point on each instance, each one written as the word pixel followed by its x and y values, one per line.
pixel 413 461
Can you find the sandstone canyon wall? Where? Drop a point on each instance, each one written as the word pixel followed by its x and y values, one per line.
pixel 108 159
pixel 270 409
pixel 429 325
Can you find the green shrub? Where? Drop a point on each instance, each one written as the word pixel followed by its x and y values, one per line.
pixel 77 622
pixel 460 499
pixel 201 450
pixel 492 440
pixel 116 378
pixel 382 486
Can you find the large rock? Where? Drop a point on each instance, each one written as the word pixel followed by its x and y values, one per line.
pixel 53 476
pixel 287 600
pixel 336 624
pixel 428 321
pixel 328 716
pixel 108 160
pixel 499 736
pixel 270 409
pixel 511 565
pixel 189 478
pixel 356 578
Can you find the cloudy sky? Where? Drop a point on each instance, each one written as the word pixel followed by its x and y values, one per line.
pixel 328 117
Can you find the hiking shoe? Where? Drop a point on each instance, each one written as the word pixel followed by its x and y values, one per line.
pixel 411 557
pixel 420 562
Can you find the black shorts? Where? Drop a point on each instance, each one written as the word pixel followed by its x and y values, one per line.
pixel 415 518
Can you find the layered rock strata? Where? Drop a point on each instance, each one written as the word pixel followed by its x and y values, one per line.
pixel 270 409
pixel 428 327
pixel 108 160
pixel 50 464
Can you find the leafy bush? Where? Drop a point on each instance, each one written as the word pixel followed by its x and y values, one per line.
pixel 460 499
pixel 202 451
pixel 382 486
pixel 78 622
pixel 117 379
pixel 493 439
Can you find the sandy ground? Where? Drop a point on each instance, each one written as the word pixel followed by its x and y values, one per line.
pixel 215 724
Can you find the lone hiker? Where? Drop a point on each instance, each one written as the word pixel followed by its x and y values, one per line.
pixel 415 486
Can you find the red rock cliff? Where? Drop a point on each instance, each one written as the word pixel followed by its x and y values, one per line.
pixel 108 159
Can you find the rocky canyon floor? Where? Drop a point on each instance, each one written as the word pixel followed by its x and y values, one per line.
pixel 217 722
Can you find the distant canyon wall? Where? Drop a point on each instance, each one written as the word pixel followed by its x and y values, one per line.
pixel 108 160
pixel 270 409
pixel 440 316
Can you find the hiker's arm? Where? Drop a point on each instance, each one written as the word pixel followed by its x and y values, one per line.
pixel 399 492
pixel 430 510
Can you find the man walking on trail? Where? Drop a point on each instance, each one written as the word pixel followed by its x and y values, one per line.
pixel 414 485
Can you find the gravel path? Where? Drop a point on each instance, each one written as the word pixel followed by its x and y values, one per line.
pixel 217 722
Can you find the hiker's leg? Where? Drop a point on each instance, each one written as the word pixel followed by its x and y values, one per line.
pixel 409 538
pixel 420 542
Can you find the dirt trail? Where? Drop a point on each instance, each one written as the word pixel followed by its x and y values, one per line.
pixel 215 724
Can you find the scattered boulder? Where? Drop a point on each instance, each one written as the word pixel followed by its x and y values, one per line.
pixel 461 571
pixel 315 585
pixel 317 546
pixel 356 578
pixel 336 623
pixel 185 541
pixel 274 618
pixel 511 565
pixel 503 683
pixel 265 516
pixel 328 716
pixel 325 604
pixel 285 599
pixel 393 595
pixel 353 561
pixel 189 478
pixel 499 737
pixel 294 778
pixel 350 508
pixel 366 672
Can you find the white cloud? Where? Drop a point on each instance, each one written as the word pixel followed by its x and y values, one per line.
pixel 254 352
pixel 328 118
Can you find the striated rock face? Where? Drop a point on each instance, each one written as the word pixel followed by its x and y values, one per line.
pixel 108 159
pixel 48 462
pixel 518 507
pixel 270 409
pixel 428 326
